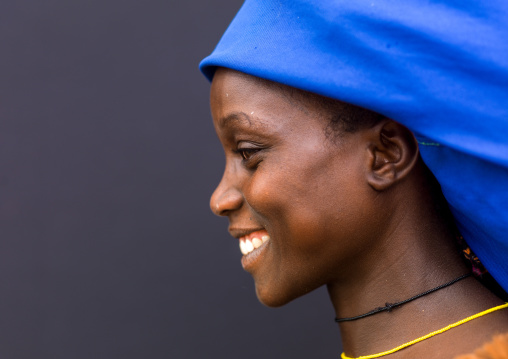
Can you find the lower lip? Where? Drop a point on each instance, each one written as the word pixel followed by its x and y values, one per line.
pixel 250 260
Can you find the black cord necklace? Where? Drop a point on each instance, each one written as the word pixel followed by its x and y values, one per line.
pixel 389 306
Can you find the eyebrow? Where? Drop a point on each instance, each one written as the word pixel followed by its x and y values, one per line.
pixel 235 117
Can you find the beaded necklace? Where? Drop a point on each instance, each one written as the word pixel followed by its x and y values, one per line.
pixel 430 335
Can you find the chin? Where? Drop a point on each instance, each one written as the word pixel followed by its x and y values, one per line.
pixel 277 298
pixel 270 300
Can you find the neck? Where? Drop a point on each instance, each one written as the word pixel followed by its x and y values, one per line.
pixel 416 256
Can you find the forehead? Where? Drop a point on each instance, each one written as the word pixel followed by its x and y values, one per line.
pixel 234 88
pixel 235 95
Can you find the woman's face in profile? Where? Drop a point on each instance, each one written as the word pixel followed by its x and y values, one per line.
pixel 288 183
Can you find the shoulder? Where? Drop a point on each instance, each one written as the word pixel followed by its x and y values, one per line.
pixel 495 349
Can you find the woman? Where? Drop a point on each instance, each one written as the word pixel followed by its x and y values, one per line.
pixel 319 190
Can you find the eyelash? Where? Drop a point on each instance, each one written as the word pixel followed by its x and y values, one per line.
pixel 247 155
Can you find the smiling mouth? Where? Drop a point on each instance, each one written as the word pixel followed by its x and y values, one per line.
pixel 253 241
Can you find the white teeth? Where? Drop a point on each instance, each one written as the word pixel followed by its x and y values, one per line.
pixel 247 245
pixel 256 242
pixel 242 248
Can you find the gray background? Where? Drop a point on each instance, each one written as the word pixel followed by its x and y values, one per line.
pixel 107 160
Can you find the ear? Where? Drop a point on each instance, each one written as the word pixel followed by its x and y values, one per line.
pixel 393 153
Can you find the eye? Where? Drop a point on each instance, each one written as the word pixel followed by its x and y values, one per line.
pixel 247 153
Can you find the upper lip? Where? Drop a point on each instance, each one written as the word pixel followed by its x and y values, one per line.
pixel 240 232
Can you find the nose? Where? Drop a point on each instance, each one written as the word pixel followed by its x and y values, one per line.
pixel 226 198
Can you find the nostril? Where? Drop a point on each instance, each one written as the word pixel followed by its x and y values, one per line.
pixel 219 211
pixel 222 204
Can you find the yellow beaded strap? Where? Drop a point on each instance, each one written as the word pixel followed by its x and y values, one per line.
pixel 343 355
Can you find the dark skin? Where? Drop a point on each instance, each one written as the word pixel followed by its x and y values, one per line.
pixel 354 212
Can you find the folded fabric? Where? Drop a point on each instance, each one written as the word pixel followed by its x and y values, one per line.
pixel 438 67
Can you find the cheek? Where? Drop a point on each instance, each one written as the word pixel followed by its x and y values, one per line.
pixel 315 204
pixel 304 195
pixel 266 194
pixel 315 212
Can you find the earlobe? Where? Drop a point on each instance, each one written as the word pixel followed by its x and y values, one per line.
pixel 393 153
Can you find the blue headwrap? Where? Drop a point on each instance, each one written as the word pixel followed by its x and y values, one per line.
pixel 440 67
